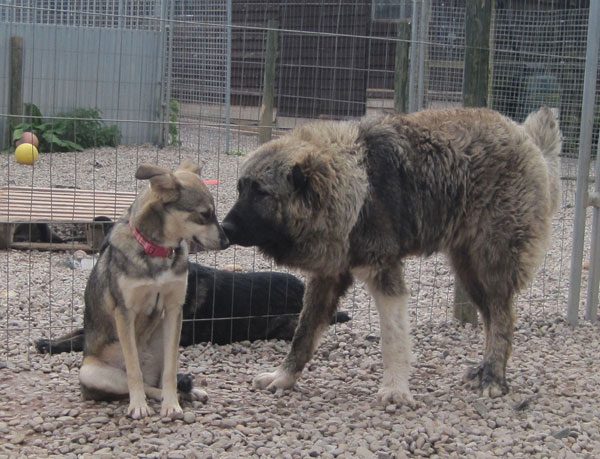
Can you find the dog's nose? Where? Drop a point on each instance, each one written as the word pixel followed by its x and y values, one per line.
pixel 224 242
pixel 229 229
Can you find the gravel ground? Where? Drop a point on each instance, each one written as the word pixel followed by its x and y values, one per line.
pixel 553 409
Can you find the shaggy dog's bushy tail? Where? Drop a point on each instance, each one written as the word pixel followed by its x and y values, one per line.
pixel 542 128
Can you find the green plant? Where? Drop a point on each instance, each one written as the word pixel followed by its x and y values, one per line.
pixel 173 119
pixel 72 131
pixel 236 153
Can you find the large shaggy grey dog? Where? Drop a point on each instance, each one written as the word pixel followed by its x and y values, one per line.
pixel 345 199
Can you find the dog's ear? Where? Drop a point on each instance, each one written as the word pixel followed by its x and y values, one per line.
pixel 308 178
pixel 191 166
pixel 162 181
pixel 147 171
pixel 298 178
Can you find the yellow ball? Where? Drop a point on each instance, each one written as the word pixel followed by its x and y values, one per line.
pixel 26 153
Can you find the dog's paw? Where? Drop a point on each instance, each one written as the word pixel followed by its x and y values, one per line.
pixel 483 381
pixel 395 395
pixel 139 410
pixel 171 410
pixel 278 379
pixel 43 346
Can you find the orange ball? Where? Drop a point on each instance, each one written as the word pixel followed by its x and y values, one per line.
pixel 29 137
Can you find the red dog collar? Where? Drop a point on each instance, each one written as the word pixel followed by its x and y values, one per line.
pixel 150 248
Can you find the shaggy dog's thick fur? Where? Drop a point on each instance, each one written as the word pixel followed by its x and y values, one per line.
pixel 345 199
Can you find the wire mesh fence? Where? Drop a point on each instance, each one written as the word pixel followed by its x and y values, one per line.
pixel 335 60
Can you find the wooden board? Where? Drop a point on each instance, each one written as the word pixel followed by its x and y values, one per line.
pixel 60 205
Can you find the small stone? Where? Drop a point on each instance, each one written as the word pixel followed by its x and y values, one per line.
pixel 363 452
pixel 481 409
pixel 99 420
pixel 564 433
pixel 189 417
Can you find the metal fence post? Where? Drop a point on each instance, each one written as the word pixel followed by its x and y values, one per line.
pixel 412 79
pixel 228 80
pixel 583 164
pixel 265 129
pixel 591 310
pixel 163 116
pixel 423 28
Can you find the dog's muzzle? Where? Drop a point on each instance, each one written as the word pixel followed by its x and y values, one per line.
pixel 231 232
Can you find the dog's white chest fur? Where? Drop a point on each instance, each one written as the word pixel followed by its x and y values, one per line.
pixel 149 296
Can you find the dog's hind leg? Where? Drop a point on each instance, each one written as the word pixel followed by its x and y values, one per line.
pixel 321 299
pixel 391 300
pixel 101 381
pixel 493 294
pixel 70 342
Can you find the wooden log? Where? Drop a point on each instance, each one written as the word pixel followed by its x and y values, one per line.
pixel 15 85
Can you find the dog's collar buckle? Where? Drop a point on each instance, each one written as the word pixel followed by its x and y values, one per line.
pixel 151 249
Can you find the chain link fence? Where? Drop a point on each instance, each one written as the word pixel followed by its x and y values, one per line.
pixel 334 60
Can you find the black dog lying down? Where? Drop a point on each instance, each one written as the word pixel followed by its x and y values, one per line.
pixel 223 307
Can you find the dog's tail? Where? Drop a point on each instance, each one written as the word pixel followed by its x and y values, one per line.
pixel 542 127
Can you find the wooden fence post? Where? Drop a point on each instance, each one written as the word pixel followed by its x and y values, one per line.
pixel 15 93
pixel 401 68
pixel 475 94
pixel 265 129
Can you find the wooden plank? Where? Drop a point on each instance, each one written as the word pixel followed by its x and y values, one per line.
pixel 23 204
pixel 50 246
pixel 26 201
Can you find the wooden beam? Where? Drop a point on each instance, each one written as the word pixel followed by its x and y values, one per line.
pixel 15 84
pixel 477 52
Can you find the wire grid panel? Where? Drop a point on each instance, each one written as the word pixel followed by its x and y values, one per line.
pixel 199 57
pixel 113 14
pixel 42 294
pixel 445 56
pixel 539 59
pixel 91 55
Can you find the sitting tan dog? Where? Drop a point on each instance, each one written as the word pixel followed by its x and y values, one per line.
pixel 136 290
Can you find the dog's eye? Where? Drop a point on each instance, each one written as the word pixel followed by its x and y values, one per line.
pixel 207 214
pixel 257 189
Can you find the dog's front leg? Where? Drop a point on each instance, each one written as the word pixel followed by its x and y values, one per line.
pixel 125 321
pixel 395 349
pixel 391 300
pixel 171 335
pixel 321 299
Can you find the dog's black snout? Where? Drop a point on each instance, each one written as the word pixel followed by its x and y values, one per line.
pixel 229 229
pixel 224 242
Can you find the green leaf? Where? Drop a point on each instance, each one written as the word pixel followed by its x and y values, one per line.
pixel 17 134
pixel 52 138
pixel 73 146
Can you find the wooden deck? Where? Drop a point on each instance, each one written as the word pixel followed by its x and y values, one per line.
pixel 60 205
pixel 20 205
